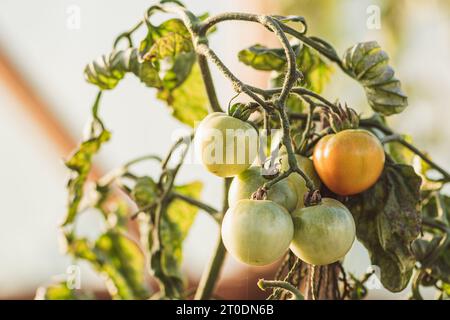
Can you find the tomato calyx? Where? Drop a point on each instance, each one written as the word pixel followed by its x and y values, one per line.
pixel 260 194
pixel 341 118
pixel 242 111
pixel 312 198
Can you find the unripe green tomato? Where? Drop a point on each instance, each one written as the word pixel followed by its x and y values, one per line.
pixel 307 166
pixel 323 233
pixel 225 145
pixel 247 182
pixel 257 232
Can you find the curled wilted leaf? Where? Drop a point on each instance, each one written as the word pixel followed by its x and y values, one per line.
pixel 80 163
pixel 368 63
pixel 107 70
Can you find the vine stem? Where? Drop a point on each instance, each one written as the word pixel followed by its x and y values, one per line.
pixel 211 274
pixel 309 121
pixel 399 139
pixel 278 284
pixel 208 82
pixel 214 213
pixel 275 294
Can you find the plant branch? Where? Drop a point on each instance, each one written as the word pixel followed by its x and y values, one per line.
pixel 209 83
pixel 316 44
pixel 291 74
pixel 287 142
pixel 199 204
pixel 238 85
pixel 297 90
pixel 212 270
pixel 297 264
pixel 399 139
pixel 127 35
pixel 309 121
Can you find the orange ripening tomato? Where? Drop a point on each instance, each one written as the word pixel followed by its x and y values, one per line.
pixel 349 162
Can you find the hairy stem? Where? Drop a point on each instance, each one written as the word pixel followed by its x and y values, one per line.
pixel 290 150
pixel 265 284
pixel 209 83
pixel 238 85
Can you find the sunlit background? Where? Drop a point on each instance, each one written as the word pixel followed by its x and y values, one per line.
pixel 45 104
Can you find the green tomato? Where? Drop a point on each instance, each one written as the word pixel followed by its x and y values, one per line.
pixel 257 232
pixel 307 166
pixel 323 233
pixel 225 145
pixel 247 182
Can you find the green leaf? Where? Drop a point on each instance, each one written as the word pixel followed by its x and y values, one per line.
pixel 368 63
pixel 388 220
pixel 294 103
pixel 436 207
pixel 175 226
pixel 166 253
pixel 399 153
pixel 316 74
pixel 118 258
pixel 445 291
pixel 171 26
pixel 57 291
pixel 189 101
pixel 80 163
pixel 124 263
pixel 107 70
pixel 148 74
pixel 260 57
pixel 144 192
pixel 169 48
pixel 315 70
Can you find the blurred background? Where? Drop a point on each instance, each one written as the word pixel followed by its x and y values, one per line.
pixel 45 104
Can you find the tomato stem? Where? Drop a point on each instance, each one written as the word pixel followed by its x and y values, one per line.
pixel 398 138
pixel 278 284
pixel 212 270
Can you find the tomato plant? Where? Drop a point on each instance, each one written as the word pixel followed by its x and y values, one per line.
pixel 257 232
pixel 387 196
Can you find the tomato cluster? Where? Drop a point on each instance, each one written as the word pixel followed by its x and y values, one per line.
pixel 259 232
